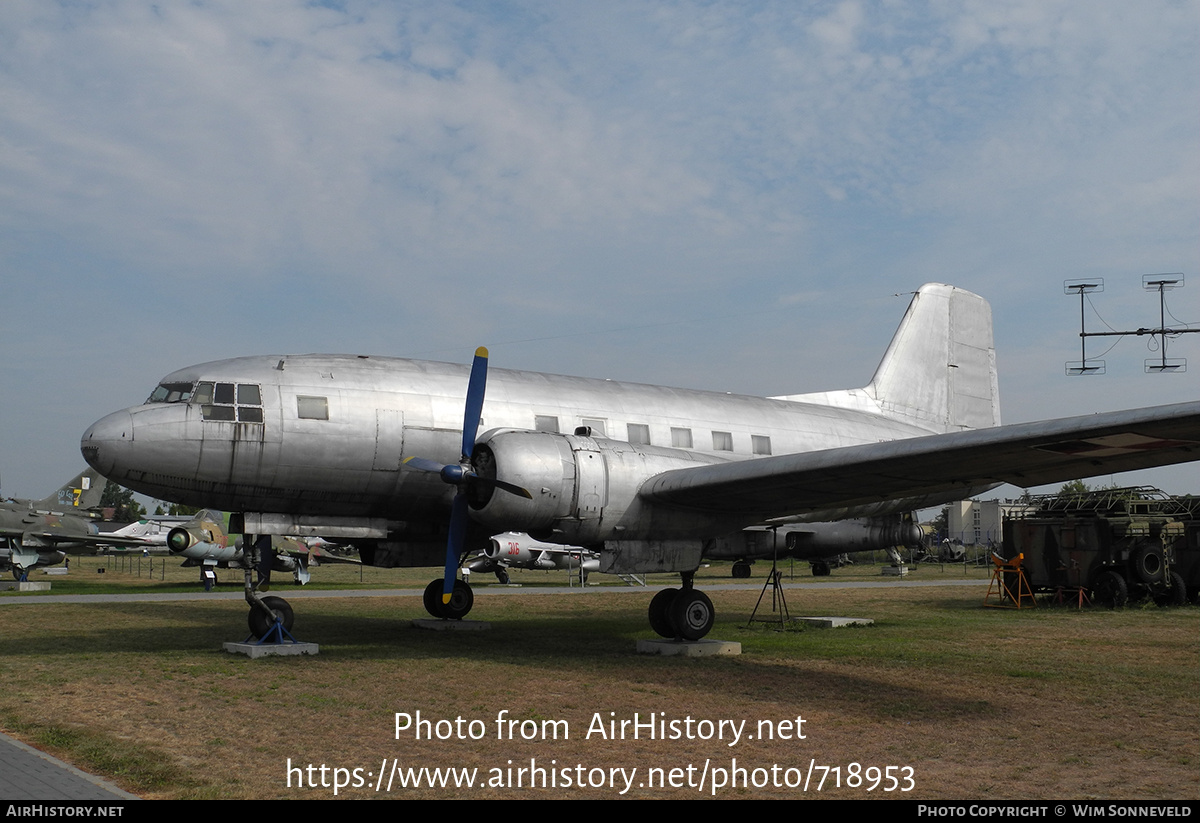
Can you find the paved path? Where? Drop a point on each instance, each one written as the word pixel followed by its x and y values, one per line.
pixel 28 774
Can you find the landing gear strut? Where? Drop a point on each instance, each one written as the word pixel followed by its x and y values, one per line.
pixel 682 614
pixel 270 618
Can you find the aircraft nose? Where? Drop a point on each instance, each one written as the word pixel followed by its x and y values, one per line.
pixel 106 439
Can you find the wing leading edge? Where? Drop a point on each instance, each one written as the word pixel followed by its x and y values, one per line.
pixel 1025 454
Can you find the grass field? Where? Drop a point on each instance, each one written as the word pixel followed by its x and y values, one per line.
pixel 979 703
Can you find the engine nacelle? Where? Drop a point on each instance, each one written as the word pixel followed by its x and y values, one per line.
pixel 584 490
pixel 846 536
pixel 816 540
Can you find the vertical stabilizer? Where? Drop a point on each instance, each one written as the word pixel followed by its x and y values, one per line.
pixel 939 372
pixel 82 492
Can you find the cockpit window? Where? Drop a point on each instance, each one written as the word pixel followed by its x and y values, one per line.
pixel 240 402
pixel 248 395
pixel 171 393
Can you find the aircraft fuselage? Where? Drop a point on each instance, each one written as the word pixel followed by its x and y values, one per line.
pixel 326 435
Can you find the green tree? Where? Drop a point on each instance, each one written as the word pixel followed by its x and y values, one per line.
pixel 941 523
pixel 1074 489
pixel 120 500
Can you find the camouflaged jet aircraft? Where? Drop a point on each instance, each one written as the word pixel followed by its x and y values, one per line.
pixel 40 532
pixel 204 540
pixel 379 451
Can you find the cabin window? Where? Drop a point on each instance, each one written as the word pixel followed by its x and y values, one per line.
pixel 596 425
pixel 722 441
pixel 639 434
pixel 312 408
pixel 760 444
pixel 545 423
pixel 681 438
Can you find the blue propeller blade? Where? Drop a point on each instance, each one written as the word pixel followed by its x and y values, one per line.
pixel 476 388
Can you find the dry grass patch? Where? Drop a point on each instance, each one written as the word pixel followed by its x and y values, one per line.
pixel 981 703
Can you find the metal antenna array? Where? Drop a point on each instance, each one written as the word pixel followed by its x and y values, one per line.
pixel 1150 282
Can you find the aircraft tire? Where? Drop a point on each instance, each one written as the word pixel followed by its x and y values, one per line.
pixel 820 569
pixel 260 624
pixel 461 601
pixel 692 614
pixel 741 570
pixel 660 613
pixel 433 597
pixel 1111 589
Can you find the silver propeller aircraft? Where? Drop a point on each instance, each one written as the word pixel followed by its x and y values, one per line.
pixel 380 452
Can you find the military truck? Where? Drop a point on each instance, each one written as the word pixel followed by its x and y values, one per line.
pixel 1117 544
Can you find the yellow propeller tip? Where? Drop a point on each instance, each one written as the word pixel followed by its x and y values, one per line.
pixel 481 352
pixel 445 600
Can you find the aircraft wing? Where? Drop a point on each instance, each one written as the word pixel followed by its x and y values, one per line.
pixel 1025 454
pixel 51 537
pixel 571 550
pixel 294 547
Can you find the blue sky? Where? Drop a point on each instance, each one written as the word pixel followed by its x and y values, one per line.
pixel 713 195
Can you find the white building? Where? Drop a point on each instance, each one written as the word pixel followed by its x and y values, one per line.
pixel 980 522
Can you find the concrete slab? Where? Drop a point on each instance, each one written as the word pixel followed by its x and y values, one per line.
pixel 257 650
pixel 24 587
pixel 894 571
pixel 433 624
pixel 689 648
pixel 833 622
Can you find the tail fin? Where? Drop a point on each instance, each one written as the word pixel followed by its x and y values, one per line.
pixel 82 492
pixel 940 370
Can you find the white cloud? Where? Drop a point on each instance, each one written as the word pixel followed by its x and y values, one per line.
pixel 371 174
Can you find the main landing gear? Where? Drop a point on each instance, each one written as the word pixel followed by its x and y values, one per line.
pixel 682 614
pixel 270 618
pixel 461 600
